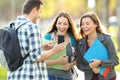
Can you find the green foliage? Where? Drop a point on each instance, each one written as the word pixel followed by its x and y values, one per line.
pixel 3 3
pixel 117 68
pixel 52 7
pixel 3 73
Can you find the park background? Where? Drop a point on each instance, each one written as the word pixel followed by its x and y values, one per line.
pixel 107 10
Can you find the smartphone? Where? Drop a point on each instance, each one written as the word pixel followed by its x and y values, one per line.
pixel 60 39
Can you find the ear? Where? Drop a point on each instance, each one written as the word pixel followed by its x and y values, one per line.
pixel 96 25
pixel 34 10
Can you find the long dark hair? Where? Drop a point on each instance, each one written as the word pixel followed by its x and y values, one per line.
pixel 71 29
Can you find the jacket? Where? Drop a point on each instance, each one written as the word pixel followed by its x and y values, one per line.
pixel 83 65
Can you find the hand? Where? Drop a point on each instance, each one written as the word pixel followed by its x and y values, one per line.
pixel 96 70
pixel 48 46
pixel 63 60
pixel 66 67
pixel 95 63
pixel 59 47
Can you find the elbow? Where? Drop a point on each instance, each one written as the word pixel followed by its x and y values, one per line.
pixel 38 60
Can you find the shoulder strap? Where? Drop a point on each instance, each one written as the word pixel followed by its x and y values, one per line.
pixel 21 25
pixel 26 56
pixel 12 24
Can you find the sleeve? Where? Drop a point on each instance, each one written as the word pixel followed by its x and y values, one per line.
pixel 113 58
pixel 82 64
pixel 34 40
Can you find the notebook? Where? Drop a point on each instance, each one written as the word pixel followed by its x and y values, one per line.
pixel 98 51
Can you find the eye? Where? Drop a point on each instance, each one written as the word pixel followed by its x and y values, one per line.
pixel 59 23
pixel 87 23
pixel 82 24
pixel 65 24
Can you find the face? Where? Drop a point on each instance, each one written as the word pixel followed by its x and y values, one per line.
pixel 36 14
pixel 62 25
pixel 88 26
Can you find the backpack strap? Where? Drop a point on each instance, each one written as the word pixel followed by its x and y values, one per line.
pixel 21 25
pixel 11 26
pixel 26 56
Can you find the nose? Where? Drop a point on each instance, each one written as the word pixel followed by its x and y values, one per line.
pixel 62 25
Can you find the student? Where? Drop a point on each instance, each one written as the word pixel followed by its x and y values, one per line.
pixel 62 25
pixel 90 31
pixel 34 67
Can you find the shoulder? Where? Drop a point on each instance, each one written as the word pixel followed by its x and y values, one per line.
pixel 32 25
pixel 83 39
pixel 31 29
pixel 103 37
pixel 47 36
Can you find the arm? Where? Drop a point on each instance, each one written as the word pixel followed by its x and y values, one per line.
pixel 82 64
pixel 33 45
pixel 61 60
pixel 51 52
pixel 113 58
pixel 69 65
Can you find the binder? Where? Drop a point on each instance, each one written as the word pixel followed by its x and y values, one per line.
pixel 98 51
pixel 55 56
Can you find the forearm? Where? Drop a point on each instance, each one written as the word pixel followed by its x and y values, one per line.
pixel 72 64
pixel 51 62
pixel 83 66
pixel 46 55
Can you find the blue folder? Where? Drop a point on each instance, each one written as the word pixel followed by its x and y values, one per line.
pixel 97 51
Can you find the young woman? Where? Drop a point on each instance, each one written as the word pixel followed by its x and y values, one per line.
pixel 57 65
pixel 90 31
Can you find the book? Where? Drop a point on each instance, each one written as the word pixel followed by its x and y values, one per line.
pixel 98 51
pixel 54 57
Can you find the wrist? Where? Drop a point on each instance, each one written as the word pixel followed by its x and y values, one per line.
pixel 100 62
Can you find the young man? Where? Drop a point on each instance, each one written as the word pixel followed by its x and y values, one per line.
pixel 34 67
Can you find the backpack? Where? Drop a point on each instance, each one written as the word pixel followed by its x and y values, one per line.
pixel 10 52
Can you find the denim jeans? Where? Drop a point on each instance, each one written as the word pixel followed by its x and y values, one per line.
pixel 51 77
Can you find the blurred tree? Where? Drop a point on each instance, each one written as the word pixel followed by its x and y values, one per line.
pixel 118 22
pixel 4 9
pixel 48 8
pixel 104 12
pixel 112 7
pixel 74 7
pixel 2 3
pixel 101 8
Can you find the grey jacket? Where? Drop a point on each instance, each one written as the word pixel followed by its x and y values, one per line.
pixel 83 65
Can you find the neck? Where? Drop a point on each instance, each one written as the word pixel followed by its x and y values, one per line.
pixel 29 17
pixel 65 34
pixel 91 38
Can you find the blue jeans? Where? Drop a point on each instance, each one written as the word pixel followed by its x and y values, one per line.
pixel 51 77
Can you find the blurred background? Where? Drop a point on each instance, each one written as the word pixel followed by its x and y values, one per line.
pixel 107 10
